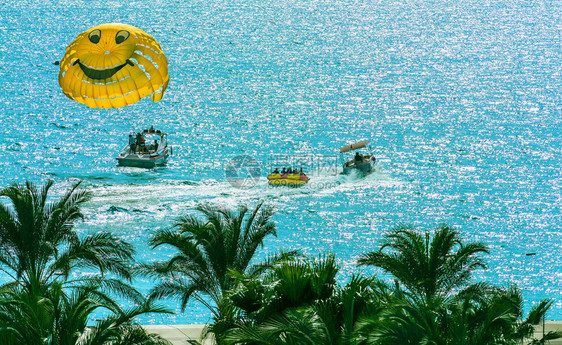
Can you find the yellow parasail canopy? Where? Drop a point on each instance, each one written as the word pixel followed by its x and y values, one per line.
pixel 113 65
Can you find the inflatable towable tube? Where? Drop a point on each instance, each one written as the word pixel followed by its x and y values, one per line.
pixel 287 179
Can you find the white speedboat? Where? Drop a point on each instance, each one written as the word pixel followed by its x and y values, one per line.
pixel 361 162
pixel 145 150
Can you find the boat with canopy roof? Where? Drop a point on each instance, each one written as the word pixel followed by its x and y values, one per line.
pixel 145 149
pixel 360 162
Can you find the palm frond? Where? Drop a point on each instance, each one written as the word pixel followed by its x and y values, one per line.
pixel 273 260
pixel 102 251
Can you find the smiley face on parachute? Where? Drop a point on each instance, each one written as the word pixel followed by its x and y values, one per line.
pixel 113 65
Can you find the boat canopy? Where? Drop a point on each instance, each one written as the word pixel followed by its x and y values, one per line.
pixel 355 146
pixel 161 134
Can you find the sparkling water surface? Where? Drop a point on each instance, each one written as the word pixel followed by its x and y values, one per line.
pixel 461 102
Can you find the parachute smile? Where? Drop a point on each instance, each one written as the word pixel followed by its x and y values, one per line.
pixel 100 74
pixel 119 65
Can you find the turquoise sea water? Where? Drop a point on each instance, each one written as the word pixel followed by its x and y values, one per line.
pixel 461 102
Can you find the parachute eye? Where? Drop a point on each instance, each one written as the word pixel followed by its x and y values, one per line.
pixel 95 36
pixel 121 36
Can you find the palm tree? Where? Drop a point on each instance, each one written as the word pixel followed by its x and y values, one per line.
pixel 62 319
pixel 299 302
pixel 439 307
pixel 291 283
pixel 39 249
pixel 479 315
pixel 495 315
pixel 208 251
pixel 359 298
pixel 429 267
pixel 432 269
pixel 38 243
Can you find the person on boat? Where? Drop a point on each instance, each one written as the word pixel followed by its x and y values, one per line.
pixel 275 171
pixel 358 157
pixel 151 130
pixel 132 143
pixel 300 171
pixel 140 142
pixel 155 147
pixel 283 171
